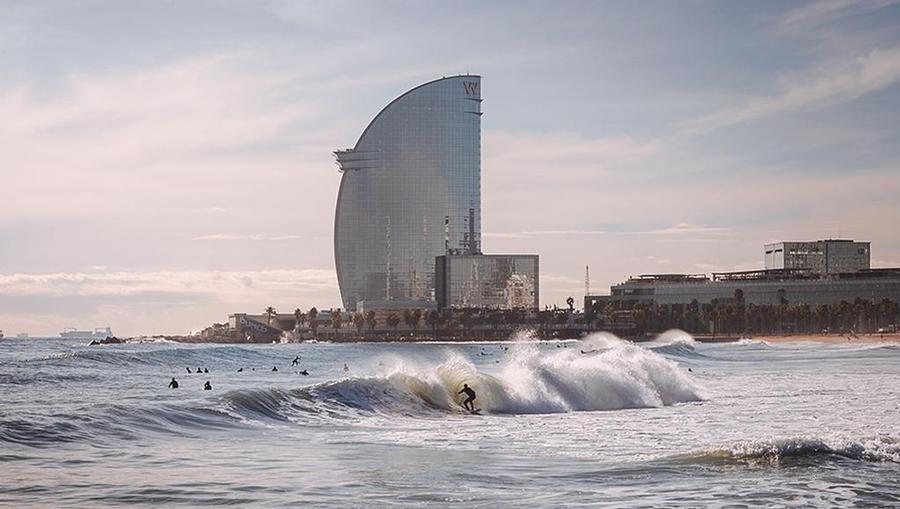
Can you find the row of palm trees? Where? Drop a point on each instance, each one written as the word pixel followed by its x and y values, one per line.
pixel 446 320
pixel 737 317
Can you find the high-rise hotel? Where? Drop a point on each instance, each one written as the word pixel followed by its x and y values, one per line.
pixel 410 192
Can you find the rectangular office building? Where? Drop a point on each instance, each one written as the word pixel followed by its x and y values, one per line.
pixel 831 256
pixel 487 281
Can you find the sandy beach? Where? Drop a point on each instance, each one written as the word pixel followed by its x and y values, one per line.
pixel 833 338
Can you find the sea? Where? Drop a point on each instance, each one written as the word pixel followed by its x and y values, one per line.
pixel 598 422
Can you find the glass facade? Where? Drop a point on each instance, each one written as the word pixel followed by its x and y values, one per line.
pixel 488 281
pixel 410 191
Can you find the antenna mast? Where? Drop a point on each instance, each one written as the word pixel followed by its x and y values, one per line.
pixel 587 280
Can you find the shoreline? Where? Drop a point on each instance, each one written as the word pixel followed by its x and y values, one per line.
pixel 832 339
pixel 825 339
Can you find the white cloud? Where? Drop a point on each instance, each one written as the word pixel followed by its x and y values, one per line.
pixel 196 126
pixel 832 83
pixel 689 229
pixel 86 284
pixel 823 11
pixel 255 236
pixel 155 301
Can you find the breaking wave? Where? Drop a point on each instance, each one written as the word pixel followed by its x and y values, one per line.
pixel 877 449
pixel 617 375
pixel 614 375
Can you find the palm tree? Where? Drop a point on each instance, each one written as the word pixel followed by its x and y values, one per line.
pixel 407 318
pixel 336 320
pixel 269 312
pixel 313 323
pixel 299 318
pixel 393 321
pixel 359 320
pixel 431 319
pixel 415 318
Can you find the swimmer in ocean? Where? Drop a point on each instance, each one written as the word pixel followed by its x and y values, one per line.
pixel 173 384
pixel 295 361
pixel 207 386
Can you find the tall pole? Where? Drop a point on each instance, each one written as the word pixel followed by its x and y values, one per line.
pixel 587 280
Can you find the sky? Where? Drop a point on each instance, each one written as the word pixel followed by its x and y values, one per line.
pixel 164 164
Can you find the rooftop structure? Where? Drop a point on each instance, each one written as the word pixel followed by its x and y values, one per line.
pixel 830 256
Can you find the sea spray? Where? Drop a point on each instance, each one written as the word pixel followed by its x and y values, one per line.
pixel 674 337
pixel 615 375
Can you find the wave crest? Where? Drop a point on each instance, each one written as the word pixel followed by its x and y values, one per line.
pixel 878 449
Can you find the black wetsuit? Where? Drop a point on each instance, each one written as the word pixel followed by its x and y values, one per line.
pixel 469 399
pixel 173 384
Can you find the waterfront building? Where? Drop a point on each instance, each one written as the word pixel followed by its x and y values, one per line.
pixel 487 281
pixel 410 191
pixel 812 273
pixel 831 256
pixel 763 287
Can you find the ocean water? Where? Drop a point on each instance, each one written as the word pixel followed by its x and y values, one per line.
pixel 598 422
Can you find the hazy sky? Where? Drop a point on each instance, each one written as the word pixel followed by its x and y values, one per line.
pixel 166 163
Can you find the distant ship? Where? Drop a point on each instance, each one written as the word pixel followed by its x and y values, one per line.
pixel 98 333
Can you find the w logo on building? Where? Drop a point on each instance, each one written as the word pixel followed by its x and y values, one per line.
pixel 471 87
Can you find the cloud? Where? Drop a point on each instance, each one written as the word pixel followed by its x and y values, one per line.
pixel 678 229
pixel 547 156
pixel 86 284
pixel 255 236
pixel 154 301
pixel 204 122
pixel 688 229
pixel 833 83
pixel 825 11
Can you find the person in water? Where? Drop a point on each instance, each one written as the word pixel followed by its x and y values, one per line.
pixel 189 370
pixel 173 384
pixel 274 368
pixel 205 370
pixel 470 397
pixel 240 370
pixel 346 368
pixel 207 386
pixel 304 372
pixel 295 361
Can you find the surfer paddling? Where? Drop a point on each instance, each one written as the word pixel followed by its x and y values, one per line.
pixel 470 397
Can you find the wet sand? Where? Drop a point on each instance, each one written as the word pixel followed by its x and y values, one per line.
pixel 833 338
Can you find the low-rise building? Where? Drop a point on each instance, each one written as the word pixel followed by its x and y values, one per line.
pixel 487 281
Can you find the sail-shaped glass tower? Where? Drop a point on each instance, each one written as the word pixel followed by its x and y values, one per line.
pixel 410 191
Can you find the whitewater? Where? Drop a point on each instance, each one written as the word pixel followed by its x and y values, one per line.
pixel 595 422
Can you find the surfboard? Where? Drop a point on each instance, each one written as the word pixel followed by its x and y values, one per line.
pixel 477 411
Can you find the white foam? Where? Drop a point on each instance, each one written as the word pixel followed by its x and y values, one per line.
pixel 674 337
pixel 618 375
pixel 878 448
